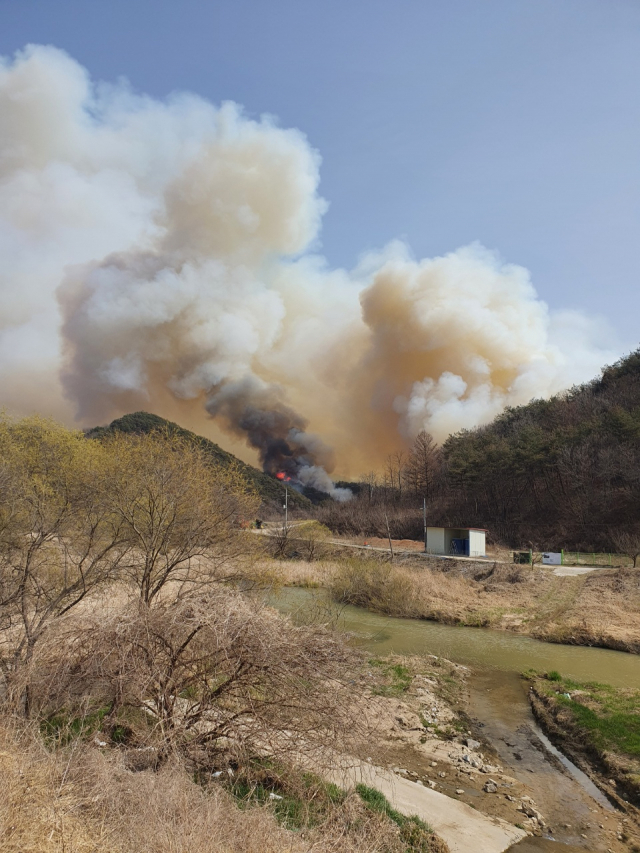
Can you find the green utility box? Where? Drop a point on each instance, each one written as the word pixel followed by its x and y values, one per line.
pixel 522 557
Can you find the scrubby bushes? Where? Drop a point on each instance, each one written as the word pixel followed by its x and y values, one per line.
pixel 375 585
pixel 422 591
pixel 216 679
pixel 140 685
pixel 77 515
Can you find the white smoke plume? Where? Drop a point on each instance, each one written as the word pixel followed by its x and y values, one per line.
pixel 161 255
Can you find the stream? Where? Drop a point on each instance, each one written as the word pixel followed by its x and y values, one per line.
pixel 498 703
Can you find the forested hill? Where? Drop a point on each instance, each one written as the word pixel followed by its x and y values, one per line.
pixel 558 472
pixel 269 489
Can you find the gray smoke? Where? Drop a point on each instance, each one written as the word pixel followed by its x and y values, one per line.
pixel 257 411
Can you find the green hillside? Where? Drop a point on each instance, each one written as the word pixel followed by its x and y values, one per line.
pixel 269 489
pixel 564 471
pixel 552 474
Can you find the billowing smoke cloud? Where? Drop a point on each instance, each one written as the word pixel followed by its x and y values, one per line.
pixel 161 254
pixel 455 339
pixel 256 410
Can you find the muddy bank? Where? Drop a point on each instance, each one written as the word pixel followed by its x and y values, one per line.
pixel 574 815
pixel 471 736
pixel 600 609
pixel 614 771
pixel 572 636
pixel 427 725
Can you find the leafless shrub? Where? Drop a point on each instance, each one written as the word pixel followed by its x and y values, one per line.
pixel 310 540
pixel 280 541
pixel 627 541
pixel 215 679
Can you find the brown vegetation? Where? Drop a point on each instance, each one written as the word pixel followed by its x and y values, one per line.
pixel 597 609
pixel 146 700
pixel 558 473
pixel 76 515
pixel 217 679
pixel 85 799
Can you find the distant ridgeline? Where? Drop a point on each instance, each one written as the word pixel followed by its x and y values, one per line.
pixel 564 471
pixel 270 490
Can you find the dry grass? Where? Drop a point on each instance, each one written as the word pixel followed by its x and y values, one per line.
pixel 84 800
pixel 601 608
pixel 41 810
pixel 301 572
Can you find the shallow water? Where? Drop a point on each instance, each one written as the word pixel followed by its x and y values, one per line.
pixel 476 647
pixel 498 702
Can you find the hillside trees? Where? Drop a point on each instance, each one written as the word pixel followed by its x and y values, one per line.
pixel 270 490
pixel 423 466
pixel 396 496
pixel 563 472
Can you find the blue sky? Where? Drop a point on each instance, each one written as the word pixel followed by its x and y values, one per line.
pixel 511 122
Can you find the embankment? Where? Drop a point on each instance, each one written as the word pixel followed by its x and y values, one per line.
pixel 598 609
pixel 598 727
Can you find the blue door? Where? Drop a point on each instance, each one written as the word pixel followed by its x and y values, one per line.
pixel 460 546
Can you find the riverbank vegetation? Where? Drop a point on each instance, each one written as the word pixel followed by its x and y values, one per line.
pixel 596 609
pixel 597 725
pixel 149 699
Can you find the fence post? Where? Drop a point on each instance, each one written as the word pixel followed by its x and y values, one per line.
pixel 424 522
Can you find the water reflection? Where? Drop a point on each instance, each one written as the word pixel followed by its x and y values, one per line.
pixel 471 646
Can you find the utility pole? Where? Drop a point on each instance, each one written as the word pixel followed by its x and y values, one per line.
pixel 424 522
pixel 286 508
pixel 386 518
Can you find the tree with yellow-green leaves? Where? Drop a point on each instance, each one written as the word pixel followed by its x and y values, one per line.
pixel 58 537
pixel 77 514
pixel 182 514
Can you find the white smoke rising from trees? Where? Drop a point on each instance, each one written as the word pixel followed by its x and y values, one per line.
pixel 157 251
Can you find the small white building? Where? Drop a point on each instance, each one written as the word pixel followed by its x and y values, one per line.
pixel 461 541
